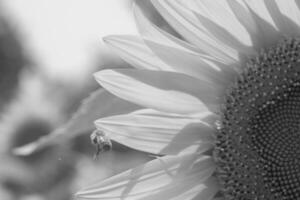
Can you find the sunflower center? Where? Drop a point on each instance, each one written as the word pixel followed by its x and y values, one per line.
pixel 258 139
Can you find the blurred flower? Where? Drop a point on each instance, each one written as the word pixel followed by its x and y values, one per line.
pixel 221 105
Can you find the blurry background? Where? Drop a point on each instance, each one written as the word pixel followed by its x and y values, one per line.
pixel 48 52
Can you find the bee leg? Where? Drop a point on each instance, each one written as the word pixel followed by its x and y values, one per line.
pixel 98 151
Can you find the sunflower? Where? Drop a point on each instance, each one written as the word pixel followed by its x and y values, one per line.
pixel 220 102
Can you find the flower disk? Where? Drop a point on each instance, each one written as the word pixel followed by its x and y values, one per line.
pixel 257 148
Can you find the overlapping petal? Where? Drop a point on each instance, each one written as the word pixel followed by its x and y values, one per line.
pixel 285 25
pixel 178 54
pixel 186 23
pixel 266 28
pixel 245 18
pixel 224 36
pixel 220 14
pixel 160 90
pixel 290 9
pixel 159 133
pixel 134 51
pixel 168 58
pixel 167 177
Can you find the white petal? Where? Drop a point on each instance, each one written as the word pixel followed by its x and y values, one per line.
pixel 224 35
pixel 135 52
pixel 285 25
pixel 220 13
pixel 178 54
pixel 159 133
pixel 192 64
pixel 99 104
pixel 160 90
pixel 266 26
pixel 245 18
pixel 207 190
pixel 290 9
pixel 255 17
pixel 186 23
pixel 160 179
pixel 150 31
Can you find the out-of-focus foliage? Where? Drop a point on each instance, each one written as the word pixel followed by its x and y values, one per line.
pixel 40 105
pixel 50 170
pixel 82 121
pixel 12 61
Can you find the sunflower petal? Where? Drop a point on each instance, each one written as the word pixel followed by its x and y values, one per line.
pixel 291 9
pixel 99 104
pixel 160 90
pixel 159 133
pixel 220 14
pixel 224 36
pixel 186 23
pixel 135 52
pixel 266 29
pixel 150 31
pixel 193 64
pixel 246 19
pixel 162 178
pixel 170 50
pixel 284 24
pixel 207 190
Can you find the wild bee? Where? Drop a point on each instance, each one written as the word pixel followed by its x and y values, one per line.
pixel 101 141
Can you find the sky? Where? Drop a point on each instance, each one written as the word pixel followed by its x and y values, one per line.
pixel 64 37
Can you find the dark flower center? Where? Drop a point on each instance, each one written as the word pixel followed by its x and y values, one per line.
pixel 258 139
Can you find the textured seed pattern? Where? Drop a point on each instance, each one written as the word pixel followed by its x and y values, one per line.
pixel 258 138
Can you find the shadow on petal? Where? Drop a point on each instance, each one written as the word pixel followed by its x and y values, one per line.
pixel 193 137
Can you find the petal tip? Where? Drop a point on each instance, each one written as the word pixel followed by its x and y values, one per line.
pixel 100 75
pixel 107 39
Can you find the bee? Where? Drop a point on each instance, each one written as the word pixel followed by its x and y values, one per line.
pixel 101 141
